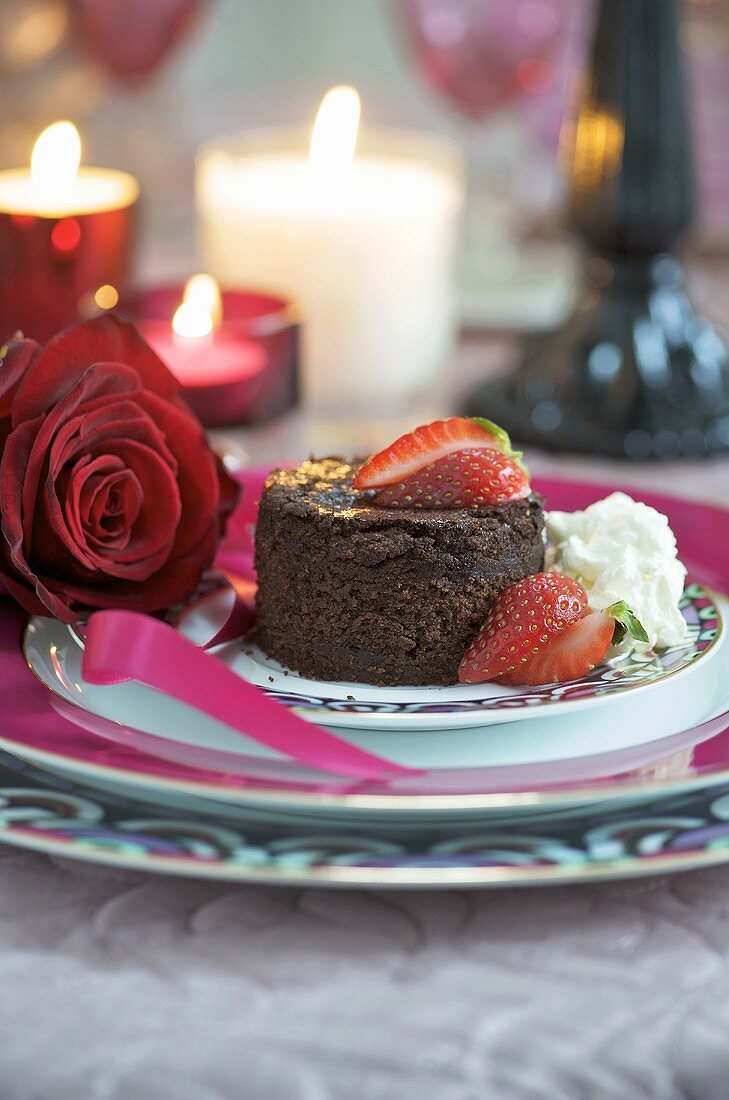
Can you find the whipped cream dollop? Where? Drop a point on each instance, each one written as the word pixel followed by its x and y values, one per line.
pixel 621 549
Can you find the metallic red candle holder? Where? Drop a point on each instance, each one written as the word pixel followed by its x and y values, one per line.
pixel 246 372
pixel 52 268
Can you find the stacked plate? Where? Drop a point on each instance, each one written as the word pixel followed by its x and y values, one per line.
pixel 621 773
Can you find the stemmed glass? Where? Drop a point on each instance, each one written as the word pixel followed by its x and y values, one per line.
pixel 507 63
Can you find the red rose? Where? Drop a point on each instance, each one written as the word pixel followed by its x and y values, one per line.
pixel 109 493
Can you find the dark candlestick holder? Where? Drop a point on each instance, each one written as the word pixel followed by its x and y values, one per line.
pixel 635 372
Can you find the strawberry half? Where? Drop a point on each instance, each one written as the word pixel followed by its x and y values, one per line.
pixel 465 479
pixel 427 444
pixel 522 622
pixel 569 656
pixel 580 648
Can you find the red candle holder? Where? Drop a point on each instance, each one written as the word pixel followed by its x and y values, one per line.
pixel 52 267
pixel 246 372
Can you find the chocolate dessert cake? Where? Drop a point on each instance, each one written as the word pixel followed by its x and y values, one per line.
pixel 391 596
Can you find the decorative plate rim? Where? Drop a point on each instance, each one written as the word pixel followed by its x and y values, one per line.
pixel 363 877
pixel 73 823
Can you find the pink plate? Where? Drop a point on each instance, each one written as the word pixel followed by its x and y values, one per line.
pixel 33 727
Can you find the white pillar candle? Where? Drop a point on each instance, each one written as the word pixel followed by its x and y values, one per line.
pixel 363 241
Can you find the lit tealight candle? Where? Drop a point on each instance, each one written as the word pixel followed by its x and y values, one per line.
pixel 198 348
pixel 65 233
pixel 217 364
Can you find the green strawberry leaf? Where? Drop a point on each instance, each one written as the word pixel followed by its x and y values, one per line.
pixel 502 440
pixel 626 622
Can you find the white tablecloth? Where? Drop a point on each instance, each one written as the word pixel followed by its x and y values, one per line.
pixel 118 986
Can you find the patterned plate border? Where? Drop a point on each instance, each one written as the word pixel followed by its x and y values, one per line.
pixel 672 834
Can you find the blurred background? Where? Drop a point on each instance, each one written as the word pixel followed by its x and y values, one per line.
pixel 148 82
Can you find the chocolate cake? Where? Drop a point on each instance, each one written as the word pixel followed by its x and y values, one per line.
pixel 352 591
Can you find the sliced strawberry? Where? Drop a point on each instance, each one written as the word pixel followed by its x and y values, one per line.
pixel 522 622
pixel 426 445
pixel 464 479
pixel 570 655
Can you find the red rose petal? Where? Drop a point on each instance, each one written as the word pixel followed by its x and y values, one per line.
pixel 197 477
pixel 97 425
pixel 13 365
pixel 102 501
pixel 171 585
pixel 114 503
pixel 72 488
pixel 94 385
pixel 62 362
pixel 230 493
pixel 152 536
pixel 28 598
pixel 13 467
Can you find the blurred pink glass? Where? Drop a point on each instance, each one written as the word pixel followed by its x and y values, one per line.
pixel 482 54
pixel 133 37
pixel 705 39
pixel 505 66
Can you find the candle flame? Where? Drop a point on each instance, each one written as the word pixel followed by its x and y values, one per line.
pixel 204 291
pixel 334 137
pixel 201 309
pixel 56 157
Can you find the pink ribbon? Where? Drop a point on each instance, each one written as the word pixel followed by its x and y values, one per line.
pixel 125 645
